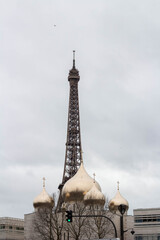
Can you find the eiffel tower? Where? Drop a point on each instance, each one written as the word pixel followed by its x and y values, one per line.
pixel 73 143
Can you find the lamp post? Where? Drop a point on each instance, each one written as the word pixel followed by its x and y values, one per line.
pixel 122 209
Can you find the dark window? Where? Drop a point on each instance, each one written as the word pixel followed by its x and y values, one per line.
pixel 139 238
pixel 20 228
pixel 138 220
pixel 2 226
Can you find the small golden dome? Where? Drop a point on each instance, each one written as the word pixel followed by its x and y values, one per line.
pixel 43 199
pixel 94 197
pixel 117 201
pixel 77 186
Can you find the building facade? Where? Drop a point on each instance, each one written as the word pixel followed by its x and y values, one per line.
pixel 11 228
pixel 147 224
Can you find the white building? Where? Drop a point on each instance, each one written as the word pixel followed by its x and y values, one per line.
pixel 11 228
pixel 147 224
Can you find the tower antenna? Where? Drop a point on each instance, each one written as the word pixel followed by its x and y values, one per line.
pixel 74 58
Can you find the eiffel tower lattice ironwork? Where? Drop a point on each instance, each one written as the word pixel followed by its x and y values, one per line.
pixel 73 143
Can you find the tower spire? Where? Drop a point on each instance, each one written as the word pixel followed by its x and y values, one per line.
pixel 73 58
pixel 73 153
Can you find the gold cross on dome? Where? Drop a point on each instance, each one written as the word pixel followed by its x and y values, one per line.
pixel 117 185
pixel 94 176
pixel 82 156
pixel 44 182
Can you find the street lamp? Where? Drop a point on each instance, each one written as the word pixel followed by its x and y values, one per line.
pixel 122 209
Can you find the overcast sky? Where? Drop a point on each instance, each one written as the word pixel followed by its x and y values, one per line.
pixel 118 57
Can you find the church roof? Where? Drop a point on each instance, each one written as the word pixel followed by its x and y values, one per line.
pixel 94 196
pixel 43 199
pixel 117 201
pixel 76 187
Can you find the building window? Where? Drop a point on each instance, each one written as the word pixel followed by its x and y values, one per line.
pixel 139 238
pixel 20 228
pixel 145 237
pixel 2 226
pixel 10 227
pixel 149 219
pixel 138 220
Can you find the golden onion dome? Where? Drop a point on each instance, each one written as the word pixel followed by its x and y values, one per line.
pixel 94 196
pixel 43 200
pixel 117 201
pixel 77 186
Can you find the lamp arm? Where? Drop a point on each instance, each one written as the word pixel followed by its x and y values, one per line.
pixel 127 230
